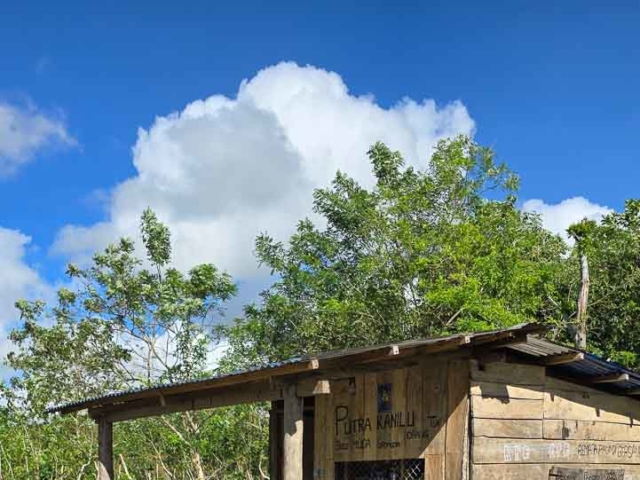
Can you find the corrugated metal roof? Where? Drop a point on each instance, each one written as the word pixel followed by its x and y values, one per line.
pixel 587 370
pixel 281 368
pixel 117 396
pixel 531 347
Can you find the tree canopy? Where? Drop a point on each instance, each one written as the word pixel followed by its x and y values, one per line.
pixel 422 252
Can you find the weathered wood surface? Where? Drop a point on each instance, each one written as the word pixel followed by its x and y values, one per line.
pixel 434 406
pixel 502 390
pixel 323 468
pixel 589 430
pixel 206 399
pixel 434 465
pixel 456 441
pixel 293 434
pixel 105 450
pixel 412 424
pixel 573 473
pixel 506 408
pixel 524 424
pixel 556 384
pixel 500 428
pixel 511 373
pixel 274 442
pixel 494 450
pixel 565 405
pixel 541 471
pixel 509 472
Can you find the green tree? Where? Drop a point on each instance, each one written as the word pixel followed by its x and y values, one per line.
pixel 424 252
pixel 123 322
pixel 613 308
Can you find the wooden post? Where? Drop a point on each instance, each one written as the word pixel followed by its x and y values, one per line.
pixel 274 440
pixel 105 449
pixel 293 434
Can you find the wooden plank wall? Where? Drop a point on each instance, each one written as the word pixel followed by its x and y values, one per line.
pixel 523 423
pixel 429 419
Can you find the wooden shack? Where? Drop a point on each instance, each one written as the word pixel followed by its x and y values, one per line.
pixel 501 405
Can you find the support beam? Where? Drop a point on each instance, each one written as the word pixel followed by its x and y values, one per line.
pixel 565 358
pixel 499 339
pixel 105 449
pixel 274 442
pixel 614 378
pixel 311 387
pixel 445 345
pixel 250 393
pixel 226 381
pixel 257 392
pixel 293 434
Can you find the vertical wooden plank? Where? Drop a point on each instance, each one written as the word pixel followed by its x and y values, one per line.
pixel 105 450
pixel 415 442
pixel 457 418
pixel 308 442
pixel 356 409
pixel 399 403
pixel 293 434
pixel 371 412
pixel 434 467
pixel 384 435
pixel 323 438
pixel 434 403
pixel 340 398
pixel 273 442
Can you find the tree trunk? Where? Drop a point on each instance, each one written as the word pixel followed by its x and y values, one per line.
pixel 197 464
pixel 583 301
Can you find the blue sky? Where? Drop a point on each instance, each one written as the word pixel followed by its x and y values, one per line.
pixel 552 86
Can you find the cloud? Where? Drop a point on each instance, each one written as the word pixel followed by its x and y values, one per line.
pixel 559 216
pixel 17 280
pixel 24 132
pixel 225 169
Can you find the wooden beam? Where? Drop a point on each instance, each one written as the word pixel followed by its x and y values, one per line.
pixel 311 387
pixel 214 398
pixel 508 337
pixel 444 345
pixel 564 358
pixel 252 393
pixel 613 378
pixel 274 442
pixel 386 352
pixel 293 434
pixel 225 381
pixel 496 337
pixel 105 449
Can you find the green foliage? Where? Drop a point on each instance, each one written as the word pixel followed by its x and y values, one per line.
pixel 613 249
pixel 425 252
pixel 121 323
pixel 110 329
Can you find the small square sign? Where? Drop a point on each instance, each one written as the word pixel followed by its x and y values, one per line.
pixel 384 398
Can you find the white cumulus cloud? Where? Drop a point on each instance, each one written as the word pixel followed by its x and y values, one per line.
pixel 24 132
pixel 17 280
pixel 559 216
pixel 224 169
